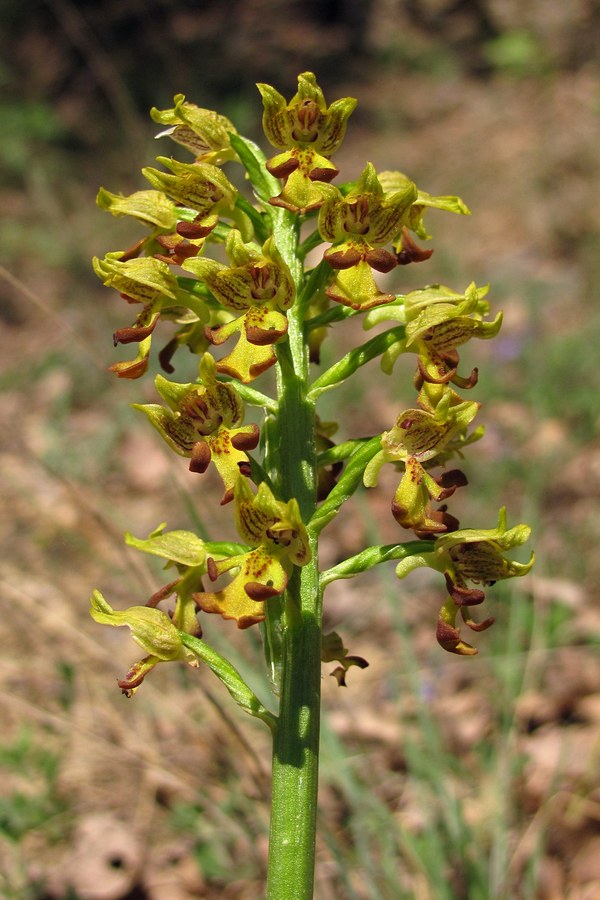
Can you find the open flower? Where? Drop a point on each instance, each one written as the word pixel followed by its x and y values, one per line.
pixel 359 225
pixel 419 439
pixel 151 283
pixel 278 538
pixel 308 132
pixel 204 423
pixel 437 320
pixel 475 556
pixel 259 283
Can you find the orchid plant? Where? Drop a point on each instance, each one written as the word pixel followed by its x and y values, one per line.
pixel 296 254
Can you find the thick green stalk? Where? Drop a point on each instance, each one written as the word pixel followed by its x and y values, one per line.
pixel 296 738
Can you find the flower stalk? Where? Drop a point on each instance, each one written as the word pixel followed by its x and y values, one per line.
pixel 285 479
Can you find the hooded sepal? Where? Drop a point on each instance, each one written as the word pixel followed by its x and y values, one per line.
pixel 150 207
pixel 201 187
pixel 150 628
pixel 202 131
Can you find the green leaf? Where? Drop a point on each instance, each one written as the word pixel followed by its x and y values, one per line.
pixel 373 556
pixel 357 357
pixel 346 486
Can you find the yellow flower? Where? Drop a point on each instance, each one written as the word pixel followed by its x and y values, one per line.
pixel 204 423
pixel 308 132
pixel 469 555
pixel 277 536
pixel 258 283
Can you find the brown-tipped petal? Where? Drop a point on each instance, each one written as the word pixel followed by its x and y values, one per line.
pixel 411 252
pixel 227 497
pixel 134 369
pixel 262 337
pixel 212 570
pixel 443 377
pixel 162 593
pixel 447 523
pixel 340 676
pixel 463 596
pixel 435 521
pixel 326 175
pixel 246 440
pixel 452 478
pixel 343 259
pixel 133 252
pixel 166 355
pixel 133 679
pixel 245 468
pixel 381 260
pixel 448 637
pixel 193 230
pixel 285 168
pixel 201 457
pixel 134 334
pixel 476 626
pixel 258 591
pixel 467 383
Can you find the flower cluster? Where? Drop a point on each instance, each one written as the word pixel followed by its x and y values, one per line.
pixel 259 292
pixel 436 322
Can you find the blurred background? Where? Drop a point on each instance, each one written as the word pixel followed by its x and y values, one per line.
pixel 442 777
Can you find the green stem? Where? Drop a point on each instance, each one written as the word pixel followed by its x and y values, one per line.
pixel 296 738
